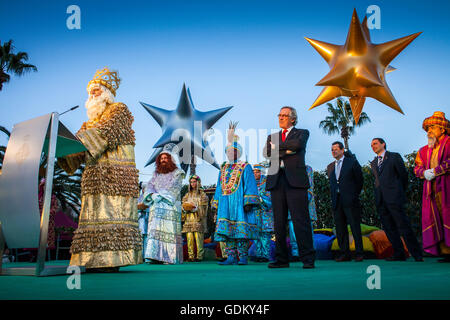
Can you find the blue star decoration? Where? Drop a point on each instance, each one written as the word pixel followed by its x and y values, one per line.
pixel 194 124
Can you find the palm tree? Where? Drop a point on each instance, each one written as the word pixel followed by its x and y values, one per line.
pixel 3 148
pixel 341 120
pixel 12 63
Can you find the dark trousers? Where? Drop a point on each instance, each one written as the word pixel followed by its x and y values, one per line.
pixel 396 223
pixel 284 199
pixel 342 217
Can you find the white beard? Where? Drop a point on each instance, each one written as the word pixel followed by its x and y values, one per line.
pixel 96 105
pixel 431 142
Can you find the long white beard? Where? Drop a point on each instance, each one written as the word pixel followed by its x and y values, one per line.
pixel 96 105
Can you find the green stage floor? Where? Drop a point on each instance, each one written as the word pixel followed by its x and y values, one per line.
pixel 209 281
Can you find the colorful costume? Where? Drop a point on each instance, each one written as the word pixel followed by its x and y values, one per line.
pixel 108 233
pixel 265 216
pixel 312 212
pixel 162 195
pixel 195 218
pixel 236 188
pixel 436 192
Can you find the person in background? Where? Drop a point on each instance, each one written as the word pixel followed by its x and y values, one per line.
pixel 346 182
pixel 391 181
pixel 195 209
pixel 265 216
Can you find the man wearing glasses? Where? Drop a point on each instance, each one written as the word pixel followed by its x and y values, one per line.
pixel 288 184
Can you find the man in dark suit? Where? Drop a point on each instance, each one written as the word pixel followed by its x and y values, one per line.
pixel 288 184
pixel 346 182
pixel 391 181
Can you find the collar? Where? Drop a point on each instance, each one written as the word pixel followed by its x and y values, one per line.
pixel 336 161
pixel 288 129
pixel 381 155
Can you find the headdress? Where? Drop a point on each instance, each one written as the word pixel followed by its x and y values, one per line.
pixel 437 119
pixel 232 138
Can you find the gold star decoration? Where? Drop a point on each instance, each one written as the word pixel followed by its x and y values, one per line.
pixel 358 68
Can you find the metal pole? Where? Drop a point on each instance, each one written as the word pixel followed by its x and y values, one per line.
pixel 40 265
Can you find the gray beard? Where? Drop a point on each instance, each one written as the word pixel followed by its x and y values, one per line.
pixel 431 142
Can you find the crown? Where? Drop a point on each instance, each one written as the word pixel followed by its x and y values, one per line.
pixel 107 78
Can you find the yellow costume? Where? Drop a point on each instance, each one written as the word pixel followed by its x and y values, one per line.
pixel 195 209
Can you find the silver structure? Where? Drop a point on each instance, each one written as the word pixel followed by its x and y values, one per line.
pixel 20 225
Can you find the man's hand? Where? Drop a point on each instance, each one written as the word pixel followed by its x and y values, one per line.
pixel 429 174
pixel 141 206
pixel 248 207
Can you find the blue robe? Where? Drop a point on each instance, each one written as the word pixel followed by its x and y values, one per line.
pixel 264 213
pixel 236 187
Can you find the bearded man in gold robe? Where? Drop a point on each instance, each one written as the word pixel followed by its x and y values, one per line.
pixel 108 236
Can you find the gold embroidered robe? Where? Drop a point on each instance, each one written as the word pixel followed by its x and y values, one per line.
pixel 108 233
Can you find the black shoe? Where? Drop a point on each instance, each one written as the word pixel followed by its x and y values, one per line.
pixel 343 258
pixel 393 258
pixel 359 259
pixel 418 259
pixel 308 265
pixel 198 260
pixel 152 261
pixel 278 265
pixel 444 260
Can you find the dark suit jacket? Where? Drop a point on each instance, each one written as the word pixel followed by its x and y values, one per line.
pixel 391 180
pixel 294 164
pixel 350 182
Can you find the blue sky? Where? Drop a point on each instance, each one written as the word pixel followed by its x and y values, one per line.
pixel 248 54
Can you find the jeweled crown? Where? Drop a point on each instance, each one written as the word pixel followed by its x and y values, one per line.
pixel 107 78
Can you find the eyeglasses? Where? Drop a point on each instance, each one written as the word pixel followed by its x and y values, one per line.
pixel 283 116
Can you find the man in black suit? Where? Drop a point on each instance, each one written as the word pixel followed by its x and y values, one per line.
pixel 346 182
pixel 288 184
pixel 391 181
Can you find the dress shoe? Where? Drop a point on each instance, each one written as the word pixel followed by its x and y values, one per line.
pixel 359 258
pixel 198 260
pixel 444 259
pixel 343 258
pixel 418 259
pixel 190 260
pixel 229 261
pixel 243 261
pixel 308 265
pixel 278 265
pixel 393 258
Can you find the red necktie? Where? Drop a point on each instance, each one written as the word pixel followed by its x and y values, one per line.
pixel 283 135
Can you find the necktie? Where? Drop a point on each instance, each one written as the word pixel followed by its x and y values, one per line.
pixel 283 135
pixel 338 168
pixel 380 162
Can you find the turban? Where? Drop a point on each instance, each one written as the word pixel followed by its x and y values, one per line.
pixel 437 119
